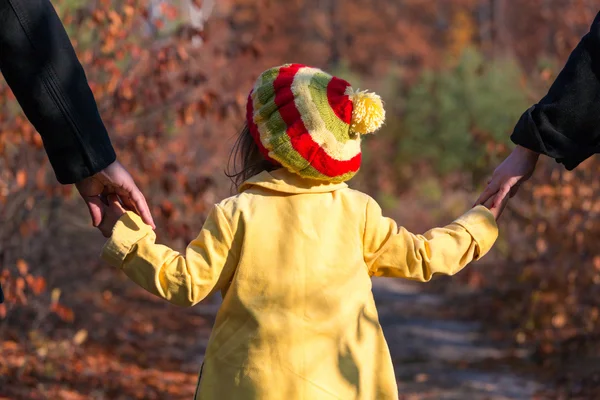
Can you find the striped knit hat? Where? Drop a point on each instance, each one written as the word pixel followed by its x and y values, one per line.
pixel 310 122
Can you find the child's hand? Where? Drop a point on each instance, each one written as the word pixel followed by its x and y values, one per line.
pixel 497 211
pixel 110 215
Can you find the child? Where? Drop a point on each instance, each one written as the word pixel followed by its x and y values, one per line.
pixel 294 251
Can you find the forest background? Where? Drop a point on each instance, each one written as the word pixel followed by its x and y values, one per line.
pixel 171 80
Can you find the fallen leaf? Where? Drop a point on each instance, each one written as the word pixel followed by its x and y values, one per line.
pixel 21 178
pixel 559 320
pixel 55 296
pixel 22 267
pixel 80 337
pixel 63 312
pixel 38 285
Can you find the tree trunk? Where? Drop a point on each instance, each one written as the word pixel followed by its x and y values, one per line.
pixel 484 17
pixel 334 42
pixel 502 42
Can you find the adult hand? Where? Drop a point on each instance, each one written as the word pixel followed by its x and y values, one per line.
pixel 112 212
pixel 508 176
pixel 496 210
pixel 114 179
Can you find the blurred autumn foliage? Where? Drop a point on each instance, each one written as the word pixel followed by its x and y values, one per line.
pixel 171 80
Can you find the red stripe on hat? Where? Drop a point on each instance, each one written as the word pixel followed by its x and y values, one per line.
pixel 254 130
pixel 338 101
pixel 299 136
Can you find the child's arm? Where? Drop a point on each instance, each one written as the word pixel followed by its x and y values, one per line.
pixel 392 251
pixel 207 266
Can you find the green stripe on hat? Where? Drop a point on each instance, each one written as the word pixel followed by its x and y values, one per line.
pixel 318 91
pixel 265 91
pixel 281 147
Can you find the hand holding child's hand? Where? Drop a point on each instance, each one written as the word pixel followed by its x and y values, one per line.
pixel 498 209
pixel 111 214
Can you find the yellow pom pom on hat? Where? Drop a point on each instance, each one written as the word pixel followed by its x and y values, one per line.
pixel 311 122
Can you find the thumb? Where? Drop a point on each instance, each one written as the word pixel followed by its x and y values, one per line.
pixel 96 208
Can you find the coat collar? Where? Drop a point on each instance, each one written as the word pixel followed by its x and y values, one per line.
pixel 283 181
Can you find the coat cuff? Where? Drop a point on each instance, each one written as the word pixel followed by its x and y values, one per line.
pixel 482 226
pixel 128 230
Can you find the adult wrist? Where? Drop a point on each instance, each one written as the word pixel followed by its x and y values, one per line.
pixel 534 155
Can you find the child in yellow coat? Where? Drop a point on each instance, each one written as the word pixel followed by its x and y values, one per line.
pixel 294 252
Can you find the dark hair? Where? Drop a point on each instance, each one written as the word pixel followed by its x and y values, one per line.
pixel 245 159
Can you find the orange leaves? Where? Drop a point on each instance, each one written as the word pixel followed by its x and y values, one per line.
pixel 461 32
pixel 188 113
pixel 113 27
pixel 128 10
pixel 22 267
pixel 126 91
pixel 182 52
pixel 541 245
pixel 144 85
pixel 36 141
pixel 98 16
pixel 16 288
pixel 167 209
pixel 80 337
pixel 4 275
pixel 19 290
pixel 37 284
pixel 21 178
pixel 108 45
pixel 596 262
pixel 544 190
pixel 28 227
pixel 113 82
pixel 558 296
pixel 40 179
pixel 169 11
pixel 559 320
pixel 62 311
pixel 115 20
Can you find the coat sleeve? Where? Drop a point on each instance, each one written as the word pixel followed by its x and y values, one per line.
pixel 392 251
pixel 42 69
pixel 182 279
pixel 565 124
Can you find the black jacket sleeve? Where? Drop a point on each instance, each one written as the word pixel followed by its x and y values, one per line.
pixel 565 124
pixel 42 69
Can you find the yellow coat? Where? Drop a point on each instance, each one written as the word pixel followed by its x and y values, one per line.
pixel 293 260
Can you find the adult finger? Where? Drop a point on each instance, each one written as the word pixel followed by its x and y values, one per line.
pixel 113 200
pixel 127 202
pixel 104 225
pixel 502 193
pixel 95 207
pixel 502 206
pixel 104 229
pixel 115 203
pixel 136 200
pixel 489 191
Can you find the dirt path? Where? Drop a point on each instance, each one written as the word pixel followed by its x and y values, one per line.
pixel 437 357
